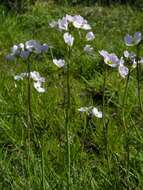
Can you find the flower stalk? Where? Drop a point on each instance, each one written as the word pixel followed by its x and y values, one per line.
pixel 126 133
pixel 67 121
pixel 138 69
pixel 105 125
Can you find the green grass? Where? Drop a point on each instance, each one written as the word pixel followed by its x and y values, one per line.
pixel 41 164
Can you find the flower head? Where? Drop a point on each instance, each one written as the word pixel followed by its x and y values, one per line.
pixel 123 70
pixel 133 40
pixel 59 62
pixel 96 113
pixel 69 39
pixel 24 50
pixel 63 24
pixel 91 111
pixel 90 36
pixel 110 59
pixel 35 76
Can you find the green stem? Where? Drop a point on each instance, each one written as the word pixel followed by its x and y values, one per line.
pixel 30 118
pixel 105 125
pixel 126 135
pixel 138 78
pixel 43 166
pixel 67 122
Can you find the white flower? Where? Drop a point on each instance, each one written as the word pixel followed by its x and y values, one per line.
pixel 21 76
pixel 91 110
pixel 96 113
pixel 123 70
pixel 80 22
pixel 63 24
pixel 110 58
pixel 133 40
pixel 86 27
pixel 36 76
pixel 59 62
pixel 38 87
pixel 68 38
pixel 69 18
pixel 90 36
pixel 88 48
pixel 84 109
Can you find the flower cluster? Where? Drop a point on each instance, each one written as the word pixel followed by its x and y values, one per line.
pixel 77 21
pixel 113 61
pixel 35 76
pixel 24 50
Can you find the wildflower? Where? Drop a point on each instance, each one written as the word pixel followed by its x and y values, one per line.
pixel 21 76
pixel 68 38
pixel 24 54
pixel 35 76
pixel 84 109
pixel 59 62
pixel 63 24
pixel 69 18
pixel 33 46
pixel 110 59
pixel 96 113
pixel 129 55
pixel 91 111
pixel 38 87
pixel 133 40
pixel 80 22
pixel 88 48
pixel 44 48
pixel 123 70
pixel 15 50
pixel 90 36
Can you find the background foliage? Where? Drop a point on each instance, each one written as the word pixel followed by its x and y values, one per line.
pixel 46 169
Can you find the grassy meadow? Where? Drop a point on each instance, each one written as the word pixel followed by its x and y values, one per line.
pixel 104 154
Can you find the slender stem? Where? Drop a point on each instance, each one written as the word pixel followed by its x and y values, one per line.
pixel 30 118
pixel 67 122
pixel 105 125
pixel 138 78
pixel 126 135
pixel 43 166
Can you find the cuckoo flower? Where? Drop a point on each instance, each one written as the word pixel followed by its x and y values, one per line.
pixel 110 59
pixel 77 21
pixel 35 76
pixel 59 62
pixel 63 24
pixel 24 50
pixel 133 40
pixel 80 22
pixel 90 36
pixel 68 38
pixel 123 70
pixel 91 111
pixel 130 56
